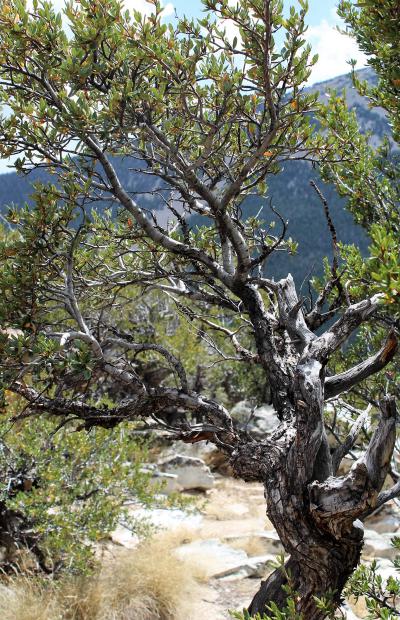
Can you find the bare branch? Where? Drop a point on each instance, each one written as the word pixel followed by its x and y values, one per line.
pixel 175 363
pixel 346 380
pixel 291 314
pixel 322 347
pixel 140 406
pixel 380 450
pixel 350 440
pixel 387 496
pixel 158 237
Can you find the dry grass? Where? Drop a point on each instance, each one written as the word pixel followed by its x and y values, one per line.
pixel 253 545
pixel 225 508
pixel 23 600
pixel 150 583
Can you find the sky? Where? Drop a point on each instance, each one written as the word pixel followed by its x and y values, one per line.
pixel 334 49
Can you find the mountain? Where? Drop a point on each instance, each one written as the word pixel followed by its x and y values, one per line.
pixel 289 191
pixel 297 202
pixel 373 121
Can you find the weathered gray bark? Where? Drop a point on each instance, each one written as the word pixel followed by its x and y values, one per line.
pixel 314 519
pixel 325 570
pixel 313 511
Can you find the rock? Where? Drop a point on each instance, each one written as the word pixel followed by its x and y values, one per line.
pixel 124 537
pixel 159 518
pixel 379 545
pixel 258 566
pixel 265 418
pixel 199 450
pixel 192 473
pixel 269 541
pixel 164 518
pixel 386 521
pixel 205 603
pixel 163 482
pixel 242 411
pixel 222 562
pixel 257 421
pixel 348 613
pixel 169 482
pixel 386 569
pixel 212 556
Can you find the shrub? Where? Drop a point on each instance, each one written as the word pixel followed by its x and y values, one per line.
pixel 60 492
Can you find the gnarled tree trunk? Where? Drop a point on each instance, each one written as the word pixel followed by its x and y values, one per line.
pixel 319 566
pixel 313 510
pixel 314 513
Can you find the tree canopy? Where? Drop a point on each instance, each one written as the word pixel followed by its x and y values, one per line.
pixel 209 118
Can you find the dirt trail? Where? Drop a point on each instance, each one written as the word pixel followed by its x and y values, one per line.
pixel 235 513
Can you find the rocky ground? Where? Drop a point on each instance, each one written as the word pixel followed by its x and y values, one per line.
pixel 228 536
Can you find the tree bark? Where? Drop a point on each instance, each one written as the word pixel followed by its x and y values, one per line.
pixel 314 517
pixel 313 512
pixel 325 573
pixel 320 568
pixel 323 553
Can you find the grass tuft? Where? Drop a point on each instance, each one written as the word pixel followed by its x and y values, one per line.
pixel 149 583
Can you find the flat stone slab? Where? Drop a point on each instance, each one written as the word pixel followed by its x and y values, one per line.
pixel 257 566
pixel 213 556
pixel 379 545
pixel 159 518
pixel 168 519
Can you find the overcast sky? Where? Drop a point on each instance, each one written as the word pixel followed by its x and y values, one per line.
pixel 333 48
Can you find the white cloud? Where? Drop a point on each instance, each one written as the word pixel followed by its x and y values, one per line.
pixel 231 30
pixel 334 50
pixel 146 8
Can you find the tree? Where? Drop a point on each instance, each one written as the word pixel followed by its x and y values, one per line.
pixel 208 117
pixel 371 186
pixel 372 190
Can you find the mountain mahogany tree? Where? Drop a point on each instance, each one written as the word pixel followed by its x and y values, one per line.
pixel 203 111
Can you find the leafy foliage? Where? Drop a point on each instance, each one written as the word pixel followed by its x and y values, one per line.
pixel 62 491
pixel 381 595
pixel 211 118
pixel 372 190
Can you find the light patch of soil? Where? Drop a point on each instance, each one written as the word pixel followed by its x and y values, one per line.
pixel 235 507
pixel 218 597
pixel 231 508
